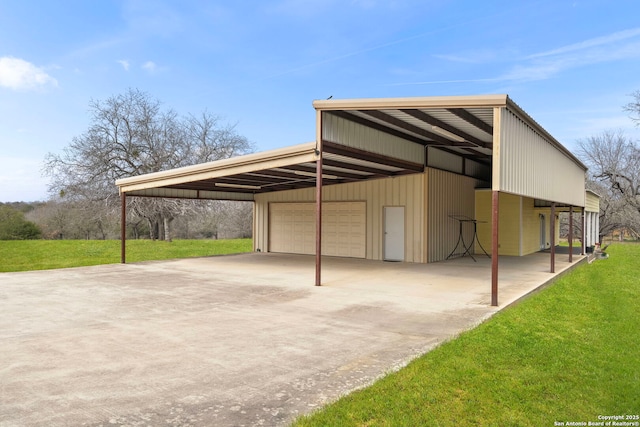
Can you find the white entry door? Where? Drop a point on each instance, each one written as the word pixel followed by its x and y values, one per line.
pixel 394 233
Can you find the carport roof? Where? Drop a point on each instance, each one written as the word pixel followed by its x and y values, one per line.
pixel 460 125
pixel 226 178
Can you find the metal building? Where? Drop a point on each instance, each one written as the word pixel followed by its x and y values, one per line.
pixel 399 179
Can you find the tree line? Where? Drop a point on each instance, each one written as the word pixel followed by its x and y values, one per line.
pixel 13 223
pixel 56 219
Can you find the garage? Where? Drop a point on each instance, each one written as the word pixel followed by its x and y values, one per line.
pixel 292 228
pixel 426 156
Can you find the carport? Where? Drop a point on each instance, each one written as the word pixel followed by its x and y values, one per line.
pixel 436 143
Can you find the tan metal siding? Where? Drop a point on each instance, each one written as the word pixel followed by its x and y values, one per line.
pixel 547 223
pixel 511 223
pixel 407 190
pixel 530 227
pixel 483 215
pixel 532 166
pixel 447 194
pixel 546 212
pixel 261 226
pixel 519 224
pixel 592 202
pixel 345 132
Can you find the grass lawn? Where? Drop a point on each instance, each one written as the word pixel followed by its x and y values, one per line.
pixel 23 255
pixel 566 354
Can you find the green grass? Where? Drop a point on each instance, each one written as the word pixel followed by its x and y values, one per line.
pixel 23 255
pixel 568 353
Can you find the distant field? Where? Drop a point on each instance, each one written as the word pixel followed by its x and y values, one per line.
pixel 24 255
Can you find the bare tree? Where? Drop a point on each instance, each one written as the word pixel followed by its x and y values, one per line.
pixel 633 108
pixel 216 219
pixel 614 174
pixel 212 140
pixel 54 219
pixel 130 134
pixel 238 221
pixel 612 209
pixel 614 161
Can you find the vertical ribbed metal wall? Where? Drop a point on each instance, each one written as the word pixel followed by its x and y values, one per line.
pixel 532 166
pixel 345 132
pixel 592 202
pixel 447 194
pixel 407 191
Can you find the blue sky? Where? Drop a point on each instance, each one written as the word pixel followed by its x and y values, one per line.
pixel 571 65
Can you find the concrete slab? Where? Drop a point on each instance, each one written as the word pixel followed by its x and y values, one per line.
pixel 234 340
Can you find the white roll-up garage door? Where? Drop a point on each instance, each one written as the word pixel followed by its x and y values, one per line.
pixel 292 228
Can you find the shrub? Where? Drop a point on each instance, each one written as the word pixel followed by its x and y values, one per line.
pixel 13 225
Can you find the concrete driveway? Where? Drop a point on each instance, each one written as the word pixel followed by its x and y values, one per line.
pixel 234 340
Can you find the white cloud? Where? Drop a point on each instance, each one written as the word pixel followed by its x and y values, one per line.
pixel 590 43
pixel 150 66
pixel 474 56
pixel 617 46
pixel 18 74
pixel 124 63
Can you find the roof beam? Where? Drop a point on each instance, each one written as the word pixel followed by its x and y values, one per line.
pixel 226 195
pixel 422 116
pixel 339 174
pixel 250 178
pixel 356 167
pixel 343 150
pixel 285 176
pixel 475 156
pixel 211 187
pixel 230 179
pixel 471 119
pixel 377 126
pixel 408 127
pixel 287 186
